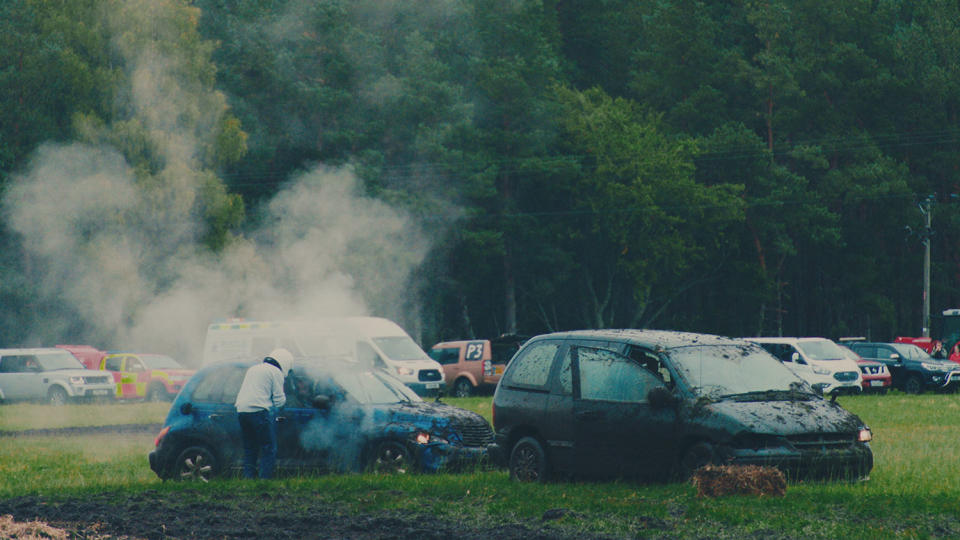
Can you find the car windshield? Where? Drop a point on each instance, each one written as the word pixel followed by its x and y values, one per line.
pixel 400 348
pixel 159 361
pixel 717 371
pixel 821 349
pixel 58 360
pixel 368 387
pixel 911 352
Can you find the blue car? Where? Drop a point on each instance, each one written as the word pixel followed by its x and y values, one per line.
pixel 338 417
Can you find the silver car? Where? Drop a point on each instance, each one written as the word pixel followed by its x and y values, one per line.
pixel 52 375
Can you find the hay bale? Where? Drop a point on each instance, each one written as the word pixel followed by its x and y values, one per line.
pixel 720 480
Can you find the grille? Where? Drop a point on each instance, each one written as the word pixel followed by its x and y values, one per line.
pixel 96 380
pixel 474 433
pixel 870 370
pixel 821 441
pixel 845 376
pixel 429 375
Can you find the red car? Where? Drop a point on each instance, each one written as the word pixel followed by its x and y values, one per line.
pixel 876 376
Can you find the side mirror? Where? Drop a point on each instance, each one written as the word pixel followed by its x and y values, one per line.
pixel 661 398
pixel 322 402
pixel 186 408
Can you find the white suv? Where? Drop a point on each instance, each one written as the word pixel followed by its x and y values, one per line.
pixel 52 375
pixel 819 361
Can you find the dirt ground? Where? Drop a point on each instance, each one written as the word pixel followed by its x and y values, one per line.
pixel 154 515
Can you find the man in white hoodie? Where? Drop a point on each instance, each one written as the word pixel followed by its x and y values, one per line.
pixel 260 395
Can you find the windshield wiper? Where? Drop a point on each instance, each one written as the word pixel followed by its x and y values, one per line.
pixel 770 395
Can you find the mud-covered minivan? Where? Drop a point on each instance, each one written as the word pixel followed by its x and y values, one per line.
pixel 655 404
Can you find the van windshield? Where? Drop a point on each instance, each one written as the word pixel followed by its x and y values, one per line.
pixel 722 370
pixel 821 350
pixel 400 348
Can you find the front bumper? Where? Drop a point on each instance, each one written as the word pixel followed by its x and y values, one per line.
pixel 850 463
pixel 435 457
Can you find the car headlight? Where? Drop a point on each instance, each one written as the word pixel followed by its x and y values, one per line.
pixel 865 435
pixel 821 371
pixel 76 381
pixel 424 438
pixel 405 371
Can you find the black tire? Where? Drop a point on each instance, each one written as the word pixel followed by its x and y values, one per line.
pixel 462 388
pixel 156 392
pixel 390 457
pixel 195 464
pixel 913 385
pixel 57 396
pixel 528 461
pixel 697 455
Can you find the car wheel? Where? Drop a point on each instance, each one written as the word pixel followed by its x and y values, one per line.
pixel 57 396
pixel 696 456
pixel 195 464
pixel 156 393
pixel 391 457
pixel 463 388
pixel 913 385
pixel 528 461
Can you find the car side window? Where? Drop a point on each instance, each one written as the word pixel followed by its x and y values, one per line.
pixel 445 356
pixel 532 368
pixel 113 363
pixel 6 364
pixel 134 364
pixel 221 386
pixel 565 378
pixel 608 376
pixel 651 362
pixel 474 351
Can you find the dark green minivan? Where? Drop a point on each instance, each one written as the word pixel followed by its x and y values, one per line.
pixel 660 404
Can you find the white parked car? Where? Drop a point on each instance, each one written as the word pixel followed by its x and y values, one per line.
pixel 819 361
pixel 52 375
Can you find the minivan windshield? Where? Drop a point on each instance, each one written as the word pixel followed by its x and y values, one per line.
pixel 400 348
pixel 821 349
pixel 724 370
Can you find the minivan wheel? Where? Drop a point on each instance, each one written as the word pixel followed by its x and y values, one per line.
pixel 463 388
pixel 696 456
pixel 195 464
pixel 913 385
pixel 57 396
pixel 528 462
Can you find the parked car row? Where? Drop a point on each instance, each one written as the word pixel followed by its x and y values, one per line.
pixel 75 373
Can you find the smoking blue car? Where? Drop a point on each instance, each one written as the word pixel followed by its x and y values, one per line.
pixel 339 417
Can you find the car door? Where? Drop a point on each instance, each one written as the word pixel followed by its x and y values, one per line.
pixel 214 413
pixel 20 377
pixel 302 440
pixel 617 431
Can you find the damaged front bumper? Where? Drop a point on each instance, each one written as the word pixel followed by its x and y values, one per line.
pixel 437 456
pixel 807 461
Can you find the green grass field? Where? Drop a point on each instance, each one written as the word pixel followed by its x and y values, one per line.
pixel 914 490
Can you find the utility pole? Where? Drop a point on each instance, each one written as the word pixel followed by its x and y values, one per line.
pixel 925 208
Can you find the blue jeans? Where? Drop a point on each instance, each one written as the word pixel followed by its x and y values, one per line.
pixel 259 432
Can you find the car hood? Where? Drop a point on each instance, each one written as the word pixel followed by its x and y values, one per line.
pixel 64 373
pixel 438 418
pixel 780 417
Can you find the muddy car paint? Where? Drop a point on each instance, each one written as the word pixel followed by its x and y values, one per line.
pixel 544 422
pixel 341 432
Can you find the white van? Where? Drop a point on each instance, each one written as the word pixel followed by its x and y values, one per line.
pixel 361 339
pixel 819 361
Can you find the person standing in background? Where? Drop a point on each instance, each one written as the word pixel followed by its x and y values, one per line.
pixel 261 393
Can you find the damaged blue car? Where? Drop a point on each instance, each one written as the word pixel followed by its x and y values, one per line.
pixel 338 417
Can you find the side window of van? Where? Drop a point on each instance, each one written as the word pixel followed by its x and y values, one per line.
pixel 532 368
pixel 608 376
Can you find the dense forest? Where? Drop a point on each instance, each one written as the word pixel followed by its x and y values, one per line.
pixel 477 167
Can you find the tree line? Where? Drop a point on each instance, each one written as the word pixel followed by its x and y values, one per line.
pixel 743 167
